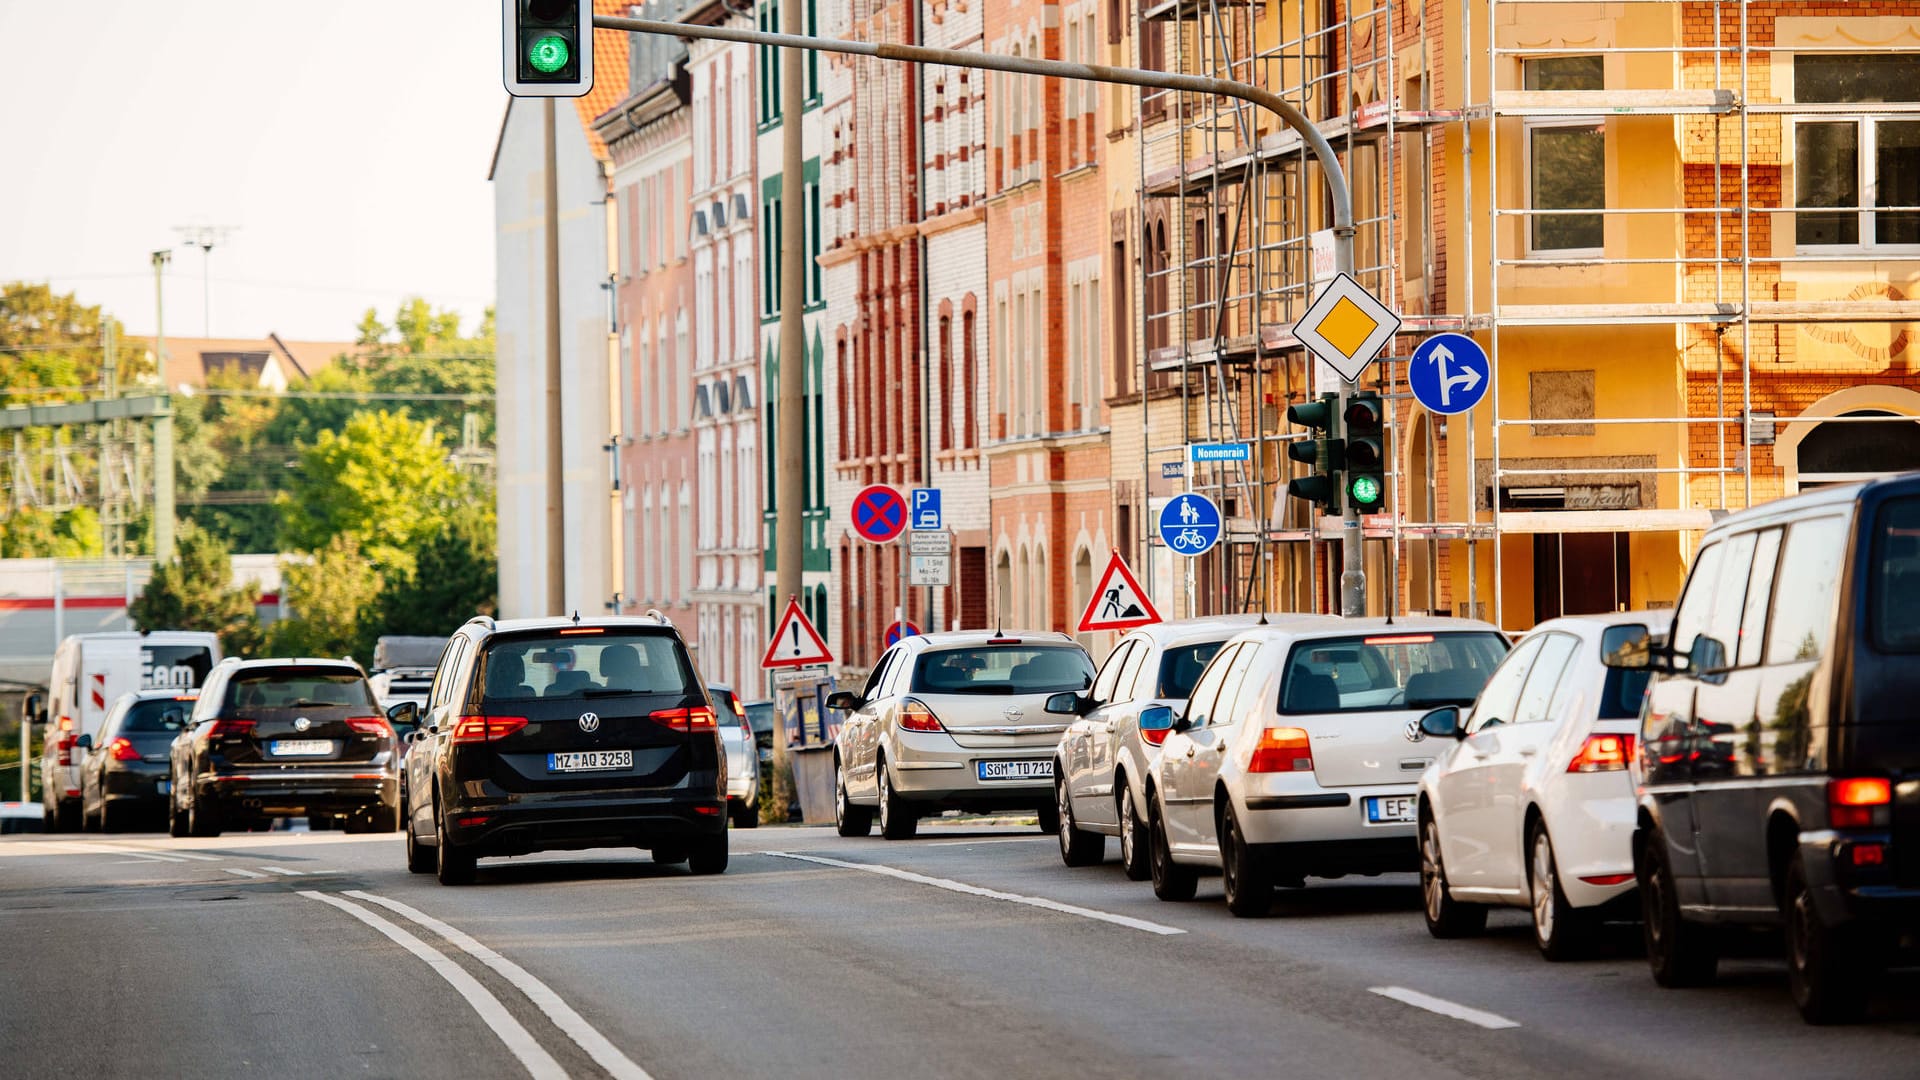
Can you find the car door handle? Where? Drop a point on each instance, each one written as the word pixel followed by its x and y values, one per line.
pixel 1189 749
pixel 1529 752
pixel 1109 727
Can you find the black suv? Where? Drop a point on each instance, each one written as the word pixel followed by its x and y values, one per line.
pixel 545 734
pixel 1779 758
pixel 284 738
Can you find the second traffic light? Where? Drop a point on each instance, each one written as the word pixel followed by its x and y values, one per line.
pixel 549 47
pixel 1366 472
pixel 1325 452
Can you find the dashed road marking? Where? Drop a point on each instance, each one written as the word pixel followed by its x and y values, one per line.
pixel 283 870
pixel 245 873
pixel 993 840
pixel 1476 1017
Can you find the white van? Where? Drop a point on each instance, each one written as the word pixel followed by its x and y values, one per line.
pixel 91 671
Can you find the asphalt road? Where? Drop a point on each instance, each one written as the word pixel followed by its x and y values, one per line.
pixel 969 952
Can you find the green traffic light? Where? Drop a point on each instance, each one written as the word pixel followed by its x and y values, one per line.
pixel 549 54
pixel 1365 490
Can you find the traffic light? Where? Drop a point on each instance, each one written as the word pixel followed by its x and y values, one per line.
pixel 1366 481
pixel 549 47
pixel 1325 452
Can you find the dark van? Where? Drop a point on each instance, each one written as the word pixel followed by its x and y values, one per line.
pixel 1778 769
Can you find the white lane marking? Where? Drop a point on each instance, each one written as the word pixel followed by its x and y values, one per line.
pixel 532 1055
pixel 1490 1021
pixel 597 1046
pixel 991 894
pixel 283 870
pixel 68 848
pixel 195 856
pixel 245 873
pixel 997 840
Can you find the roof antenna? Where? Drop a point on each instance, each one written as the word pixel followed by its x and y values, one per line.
pixel 576 616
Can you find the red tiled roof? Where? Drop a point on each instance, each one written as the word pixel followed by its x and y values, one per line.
pixel 609 74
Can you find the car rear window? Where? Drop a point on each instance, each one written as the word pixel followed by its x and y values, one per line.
pixel 1389 671
pixel 1894 590
pixel 300 690
pixel 760 714
pixel 1180 668
pixel 1003 669
pixel 1621 694
pixel 547 666
pixel 159 714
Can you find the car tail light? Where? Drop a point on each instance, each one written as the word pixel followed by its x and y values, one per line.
pixel 739 709
pixel 1155 738
pixel 1608 879
pixel 709 811
pixel 915 716
pixel 65 748
pixel 1602 753
pixel 122 750
pixel 1869 854
pixel 481 729
pixel 1858 802
pixel 698 718
pixel 468 821
pixel 227 728
pixel 1282 749
pixel 369 725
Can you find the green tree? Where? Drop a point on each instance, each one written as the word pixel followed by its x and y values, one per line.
pixel 335 598
pixel 31 533
pixel 384 480
pixel 53 341
pixel 229 470
pixel 456 575
pixel 196 592
pixel 424 352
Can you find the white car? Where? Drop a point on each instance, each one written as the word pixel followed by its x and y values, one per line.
pixel 954 721
pixel 743 762
pixel 1291 759
pixel 1100 769
pixel 1529 802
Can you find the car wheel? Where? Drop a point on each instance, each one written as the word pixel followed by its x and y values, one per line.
pixel 897 819
pixel 450 864
pixel 1446 917
pixel 1133 849
pixel 848 819
pixel 111 819
pixel 709 856
pixel 1680 953
pixel 1825 968
pixel 202 821
pixel 746 814
pixel 1077 848
pixel 1248 878
pixel 1562 931
pixel 420 860
pixel 176 817
pixel 88 822
pixel 1171 881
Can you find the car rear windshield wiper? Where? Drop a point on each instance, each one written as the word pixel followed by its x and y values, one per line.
pixel 309 703
pixel 611 691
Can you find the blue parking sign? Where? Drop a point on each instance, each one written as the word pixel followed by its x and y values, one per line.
pixel 926 508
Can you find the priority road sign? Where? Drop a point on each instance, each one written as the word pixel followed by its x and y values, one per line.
pixel 795 642
pixel 1118 602
pixel 926 508
pixel 1346 327
pixel 1190 524
pixel 879 513
pixel 1449 373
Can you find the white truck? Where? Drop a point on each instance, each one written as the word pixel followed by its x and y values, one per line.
pixel 91 671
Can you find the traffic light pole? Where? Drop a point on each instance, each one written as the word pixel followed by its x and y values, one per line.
pixel 1353 580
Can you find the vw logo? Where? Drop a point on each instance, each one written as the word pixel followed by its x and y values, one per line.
pixel 589 721
pixel 302 724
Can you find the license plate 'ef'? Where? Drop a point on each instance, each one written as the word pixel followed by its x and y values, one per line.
pixel 1016 770
pixel 299 747
pixel 1390 809
pixel 590 761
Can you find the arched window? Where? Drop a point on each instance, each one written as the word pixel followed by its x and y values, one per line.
pixel 948 399
pixel 970 376
pixel 645 542
pixel 1003 590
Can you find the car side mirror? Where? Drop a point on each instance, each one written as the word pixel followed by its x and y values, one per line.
pixel 844 700
pixel 405 712
pixel 84 742
pixel 1627 646
pixel 1156 718
pixel 1441 723
pixel 1067 703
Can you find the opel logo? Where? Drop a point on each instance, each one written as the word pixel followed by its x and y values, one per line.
pixel 589 721
pixel 302 724
pixel 1013 712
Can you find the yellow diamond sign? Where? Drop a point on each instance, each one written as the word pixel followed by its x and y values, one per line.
pixel 1346 327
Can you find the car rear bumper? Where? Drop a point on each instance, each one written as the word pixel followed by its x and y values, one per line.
pixel 295 794
pixel 135 784
pixel 931 769
pixel 1280 809
pixel 526 825
pixel 1866 895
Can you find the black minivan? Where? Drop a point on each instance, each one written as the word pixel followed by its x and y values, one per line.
pixel 1779 758
pixel 562 734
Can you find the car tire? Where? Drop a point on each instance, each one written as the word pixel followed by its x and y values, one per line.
pixel 1248 877
pixel 451 865
pixel 1171 881
pixel 709 856
pixel 897 820
pixel 201 821
pixel 1560 930
pixel 1077 848
pixel 745 814
pixel 420 858
pixel 110 819
pixel 848 819
pixel 1680 953
pixel 89 822
pixel 176 818
pixel 1446 917
pixel 1826 968
pixel 1133 836
pixel 1047 815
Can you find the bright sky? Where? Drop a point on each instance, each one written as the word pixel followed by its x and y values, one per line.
pixel 346 142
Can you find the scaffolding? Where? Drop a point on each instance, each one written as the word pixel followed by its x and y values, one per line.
pixel 1229 210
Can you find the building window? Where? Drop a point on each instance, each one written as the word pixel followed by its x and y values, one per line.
pixel 1862 172
pixel 949 399
pixel 1566 162
pixel 970 376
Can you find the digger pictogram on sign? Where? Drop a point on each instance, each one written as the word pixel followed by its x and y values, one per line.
pixel 1118 601
pixel 795 642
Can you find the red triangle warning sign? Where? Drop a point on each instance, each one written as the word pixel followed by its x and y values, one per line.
pixel 795 642
pixel 1118 602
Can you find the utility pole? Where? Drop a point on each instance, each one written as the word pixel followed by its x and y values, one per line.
pixel 205 237
pixel 790 483
pixel 1353 579
pixel 556 473
pixel 162 439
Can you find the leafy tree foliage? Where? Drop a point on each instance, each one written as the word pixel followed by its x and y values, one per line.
pixel 457 575
pixel 383 480
pixel 336 598
pixel 56 342
pixel 196 592
pixel 29 533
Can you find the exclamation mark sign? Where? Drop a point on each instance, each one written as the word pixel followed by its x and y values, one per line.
pixel 796 638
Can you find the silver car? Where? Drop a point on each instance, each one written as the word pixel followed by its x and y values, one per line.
pixel 743 762
pixel 954 721
pixel 1100 769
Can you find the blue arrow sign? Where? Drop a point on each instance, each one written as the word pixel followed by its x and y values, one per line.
pixel 1449 373
pixel 1190 524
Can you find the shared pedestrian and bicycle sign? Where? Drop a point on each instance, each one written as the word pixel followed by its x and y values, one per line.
pixel 1118 602
pixel 1190 524
pixel 1449 373
pixel 795 642
pixel 879 513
